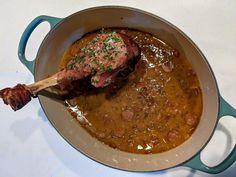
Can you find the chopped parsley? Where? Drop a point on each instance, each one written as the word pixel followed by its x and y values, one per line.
pixel 92 54
pixel 79 58
pixel 95 61
pixel 76 59
pixel 93 71
pixel 103 31
pixel 83 49
pixel 94 81
pixel 115 40
pixel 70 66
pixel 109 68
pixel 102 67
pixel 71 78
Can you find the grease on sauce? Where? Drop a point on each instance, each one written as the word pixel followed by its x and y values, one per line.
pixel 154 109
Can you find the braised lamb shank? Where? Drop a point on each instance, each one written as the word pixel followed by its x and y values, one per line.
pixel 102 59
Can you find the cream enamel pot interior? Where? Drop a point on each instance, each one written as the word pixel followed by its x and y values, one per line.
pixel 67 30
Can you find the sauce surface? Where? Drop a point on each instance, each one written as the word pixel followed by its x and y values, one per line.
pixel 155 108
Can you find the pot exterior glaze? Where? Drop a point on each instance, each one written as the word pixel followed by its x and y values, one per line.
pixel 65 31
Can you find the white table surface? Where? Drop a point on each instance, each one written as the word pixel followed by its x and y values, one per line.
pixel 31 147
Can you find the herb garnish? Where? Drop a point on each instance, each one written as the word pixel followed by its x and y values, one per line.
pixel 109 68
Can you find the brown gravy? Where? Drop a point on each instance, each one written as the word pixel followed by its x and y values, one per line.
pixel 156 108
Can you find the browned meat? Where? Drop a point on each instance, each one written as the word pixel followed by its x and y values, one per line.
pixel 102 59
pixel 16 97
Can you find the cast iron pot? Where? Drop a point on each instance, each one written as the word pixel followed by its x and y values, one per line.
pixel 67 30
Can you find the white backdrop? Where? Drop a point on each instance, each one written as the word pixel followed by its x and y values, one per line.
pixel 30 146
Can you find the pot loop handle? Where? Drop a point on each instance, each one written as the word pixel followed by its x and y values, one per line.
pixel 25 37
pixel 197 164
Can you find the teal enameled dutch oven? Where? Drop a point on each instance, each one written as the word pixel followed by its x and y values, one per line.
pixel 67 30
